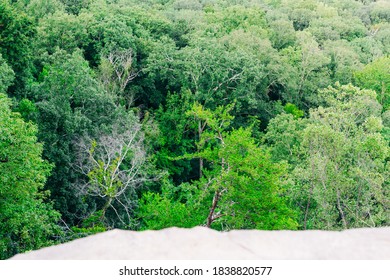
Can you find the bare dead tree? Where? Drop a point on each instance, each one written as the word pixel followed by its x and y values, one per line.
pixel 117 71
pixel 113 166
pixel 122 62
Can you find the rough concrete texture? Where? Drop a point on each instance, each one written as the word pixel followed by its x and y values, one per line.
pixel 202 243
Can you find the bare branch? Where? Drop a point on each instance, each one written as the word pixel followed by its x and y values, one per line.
pixel 113 166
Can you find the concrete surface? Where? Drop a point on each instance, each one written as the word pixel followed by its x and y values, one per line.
pixel 203 243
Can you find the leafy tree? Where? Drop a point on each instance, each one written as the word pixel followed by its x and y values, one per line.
pixel 344 61
pixel 283 136
pixel 231 18
pixel 382 35
pixel 40 8
pixel 310 64
pixel 16 33
pixel 337 28
pixel 380 11
pixel 338 159
pixel 159 74
pixel 108 31
pixel 234 192
pixel 376 76
pixel 368 49
pixel 116 72
pixel 70 102
pixel 27 219
pixel 187 5
pixel 283 33
pixel 254 196
pixel 7 75
pixel 177 137
pixel 301 12
pixel 75 6
pixel 60 30
pixel 294 110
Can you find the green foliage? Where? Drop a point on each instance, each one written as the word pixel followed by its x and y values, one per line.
pixel 254 196
pixel 233 18
pixel 27 220
pixel 61 30
pixel 89 226
pixel 158 211
pixel 367 48
pixel 301 12
pixel 227 98
pixel 240 188
pixel 70 102
pixel 7 75
pixel 16 33
pixel 283 137
pixel 283 34
pixel 380 11
pixel 293 110
pixel 344 61
pixel 40 8
pixel 338 160
pixel 27 110
pixel 75 6
pixel 312 72
pixel 176 136
pixel 376 76
pixel 337 28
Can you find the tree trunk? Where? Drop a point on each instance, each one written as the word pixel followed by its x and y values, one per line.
pixel 307 207
pixel 210 218
pixel 341 210
pixel 200 159
pixel 104 210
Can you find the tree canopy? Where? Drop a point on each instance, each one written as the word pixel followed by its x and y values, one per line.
pixel 250 114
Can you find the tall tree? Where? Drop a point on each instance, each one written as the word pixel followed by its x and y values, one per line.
pixel 240 186
pixel 338 160
pixel 114 166
pixel 27 219
pixel 70 102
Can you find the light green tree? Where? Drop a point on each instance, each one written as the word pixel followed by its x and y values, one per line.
pixel 27 219
pixel 240 187
pixel 376 76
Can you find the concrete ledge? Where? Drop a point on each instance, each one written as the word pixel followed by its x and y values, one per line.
pixel 203 243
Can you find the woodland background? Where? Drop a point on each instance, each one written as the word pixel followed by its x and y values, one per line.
pixel 232 114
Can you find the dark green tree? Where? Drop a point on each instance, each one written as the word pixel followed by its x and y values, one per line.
pixel 17 32
pixel 70 103
pixel 7 75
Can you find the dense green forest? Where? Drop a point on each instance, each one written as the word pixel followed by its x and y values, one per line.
pixel 231 114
